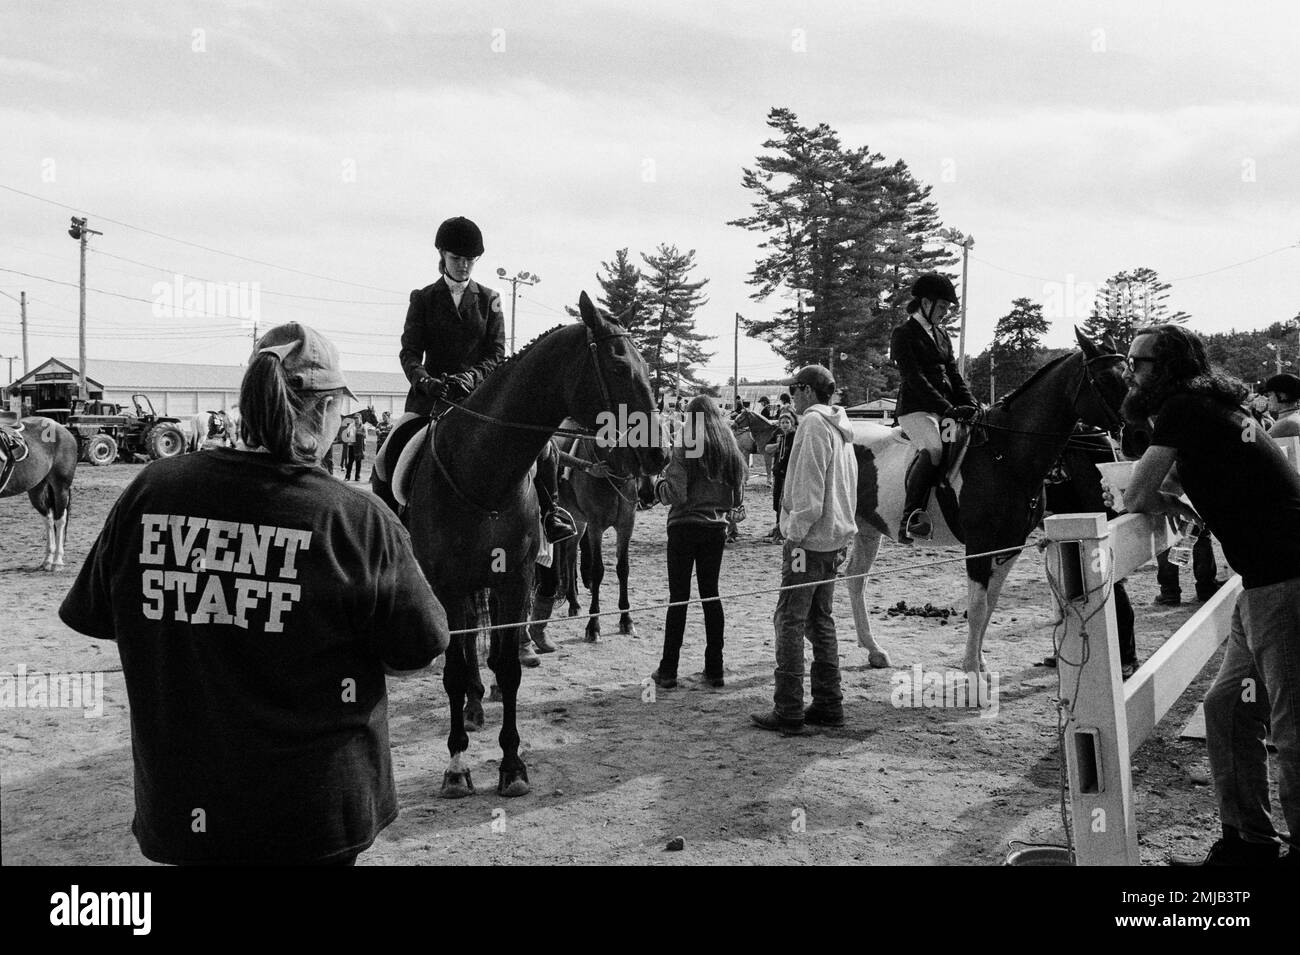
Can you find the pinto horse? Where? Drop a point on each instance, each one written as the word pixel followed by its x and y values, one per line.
pixel 473 512
pixel 39 456
pixel 999 484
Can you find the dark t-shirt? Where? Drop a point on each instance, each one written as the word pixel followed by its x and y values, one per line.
pixel 1240 482
pixel 255 604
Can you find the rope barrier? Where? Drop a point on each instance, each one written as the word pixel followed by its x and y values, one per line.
pixel 748 593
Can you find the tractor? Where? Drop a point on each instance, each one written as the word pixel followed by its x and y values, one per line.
pixel 106 431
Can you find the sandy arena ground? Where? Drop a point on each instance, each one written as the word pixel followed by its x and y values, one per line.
pixel 615 777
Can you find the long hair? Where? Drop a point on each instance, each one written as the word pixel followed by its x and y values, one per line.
pixel 274 416
pixel 720 459
pixel 1183 366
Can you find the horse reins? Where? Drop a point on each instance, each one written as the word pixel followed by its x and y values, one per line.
pixel 1087 376
pixel 593 342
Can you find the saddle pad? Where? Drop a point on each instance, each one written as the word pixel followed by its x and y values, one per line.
pixel 387 456
pixel 404 470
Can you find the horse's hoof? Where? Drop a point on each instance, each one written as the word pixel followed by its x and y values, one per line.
pixel 573 610
pixel 628 629
pixel 527 658
pixel 474 718
pixel 512 784
pixel 592 636
pixel 456 785
pixel 879 660
pixel 494 694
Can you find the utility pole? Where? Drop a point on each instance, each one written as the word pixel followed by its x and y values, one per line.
pixel 11 359
pixel 79 231
pixel 993 387
pixel 735 361
pixel 956 237
pixel 23 308
pixel 521 278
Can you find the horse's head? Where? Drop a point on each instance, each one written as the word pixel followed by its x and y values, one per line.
pixel 1102 388
pixel 613 394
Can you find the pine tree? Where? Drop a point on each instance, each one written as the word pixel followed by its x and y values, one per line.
pixel 669 342
pixel 844 234
pixel 621 283
pixel 1129 301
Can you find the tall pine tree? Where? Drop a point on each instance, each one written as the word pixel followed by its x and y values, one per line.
pixel 1129 301
pixel 669 342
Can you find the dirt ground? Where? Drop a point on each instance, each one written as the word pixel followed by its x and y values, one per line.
pixel 616 777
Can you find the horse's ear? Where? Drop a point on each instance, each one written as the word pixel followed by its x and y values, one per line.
pixel 1089 349
pixel 1108 343
pixel 590 317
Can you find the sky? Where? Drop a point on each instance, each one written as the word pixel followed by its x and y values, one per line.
pixel 307 153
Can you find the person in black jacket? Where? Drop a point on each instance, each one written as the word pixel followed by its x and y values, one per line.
pixel 454 336
pixel 932 388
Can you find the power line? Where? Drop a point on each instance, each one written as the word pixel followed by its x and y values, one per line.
pixel 196 245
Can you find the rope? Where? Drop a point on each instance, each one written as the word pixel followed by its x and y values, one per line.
pixel 749 593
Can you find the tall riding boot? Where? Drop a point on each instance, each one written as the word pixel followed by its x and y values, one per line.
pixel 920 478
pixel 557 522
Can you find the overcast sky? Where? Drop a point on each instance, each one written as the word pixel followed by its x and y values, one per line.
pixel 1072 141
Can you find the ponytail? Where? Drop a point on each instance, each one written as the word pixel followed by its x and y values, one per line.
pixel 274 416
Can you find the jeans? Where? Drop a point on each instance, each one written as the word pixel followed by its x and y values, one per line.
pixel 1257 690
pixel 1204 569
pixel 354 463
pixel 701 546
pixel 806 614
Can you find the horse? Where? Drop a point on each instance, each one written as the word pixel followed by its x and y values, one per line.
pixel 753 434
pixel 997 485
pixel 210 429
pixel 39 456
pixel 473 512
pixel 597 504
pixel 358 418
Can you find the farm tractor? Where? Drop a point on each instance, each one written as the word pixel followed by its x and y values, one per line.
pixel 106 431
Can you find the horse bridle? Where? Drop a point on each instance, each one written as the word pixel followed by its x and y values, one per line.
pixel 1088 378
pixel 593 343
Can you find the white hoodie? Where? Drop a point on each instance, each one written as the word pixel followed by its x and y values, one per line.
pixel 821 482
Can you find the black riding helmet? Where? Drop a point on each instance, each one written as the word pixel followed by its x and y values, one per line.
pixel 934 286
pixel 459 236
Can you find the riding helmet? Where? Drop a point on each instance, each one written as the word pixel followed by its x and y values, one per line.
pixel 459 236
pixel 935 286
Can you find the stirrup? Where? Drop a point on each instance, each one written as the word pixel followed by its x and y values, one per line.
pixel 916 524
pixel 559 525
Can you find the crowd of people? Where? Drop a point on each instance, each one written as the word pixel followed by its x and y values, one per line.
pixel 290 762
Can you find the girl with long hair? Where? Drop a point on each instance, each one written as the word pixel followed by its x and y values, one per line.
pixel 705 479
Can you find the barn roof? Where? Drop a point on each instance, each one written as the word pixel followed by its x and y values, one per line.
pixel 166 376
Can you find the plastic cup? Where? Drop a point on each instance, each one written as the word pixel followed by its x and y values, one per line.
pixel 1116 475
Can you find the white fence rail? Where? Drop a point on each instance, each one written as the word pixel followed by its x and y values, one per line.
pixel 1111 718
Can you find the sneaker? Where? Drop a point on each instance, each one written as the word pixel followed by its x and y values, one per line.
pixel 816 717
pixel 1232 850
pixel 770 721
pixel 664 682
pixel 1128 669
pixel 1168 600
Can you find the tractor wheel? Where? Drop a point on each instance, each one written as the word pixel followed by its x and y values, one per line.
pixel 164 441
pixel 101 449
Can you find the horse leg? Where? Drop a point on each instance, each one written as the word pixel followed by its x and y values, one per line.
pixel 456 781
pixel 865 547
pixel 513 594
pixel 474 718
pixel 597 575
pixel 983 598
pixel 625 624
pixel 543 604
pixel 41 497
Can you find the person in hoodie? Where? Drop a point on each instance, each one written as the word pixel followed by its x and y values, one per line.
pixel 705 479
pixel 817 519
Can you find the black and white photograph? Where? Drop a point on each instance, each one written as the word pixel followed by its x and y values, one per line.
pixel 652 434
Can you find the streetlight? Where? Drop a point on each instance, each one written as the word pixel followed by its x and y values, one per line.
pixel 956 237
pixel 81 233
pixel 523 278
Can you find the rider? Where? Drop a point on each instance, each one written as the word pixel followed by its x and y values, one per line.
pixel 931 388
pixel 454 336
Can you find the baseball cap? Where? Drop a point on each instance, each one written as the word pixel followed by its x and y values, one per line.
pixel 311 362
pixel 815 375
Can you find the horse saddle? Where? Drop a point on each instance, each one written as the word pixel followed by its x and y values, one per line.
pixel 13 451
pixel 948 483
pixel 395 461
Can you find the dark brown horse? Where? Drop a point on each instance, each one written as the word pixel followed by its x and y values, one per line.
pixel 39 456
pixel 753 434
pixel 999 486
pixel 597 504
pixel 473 512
